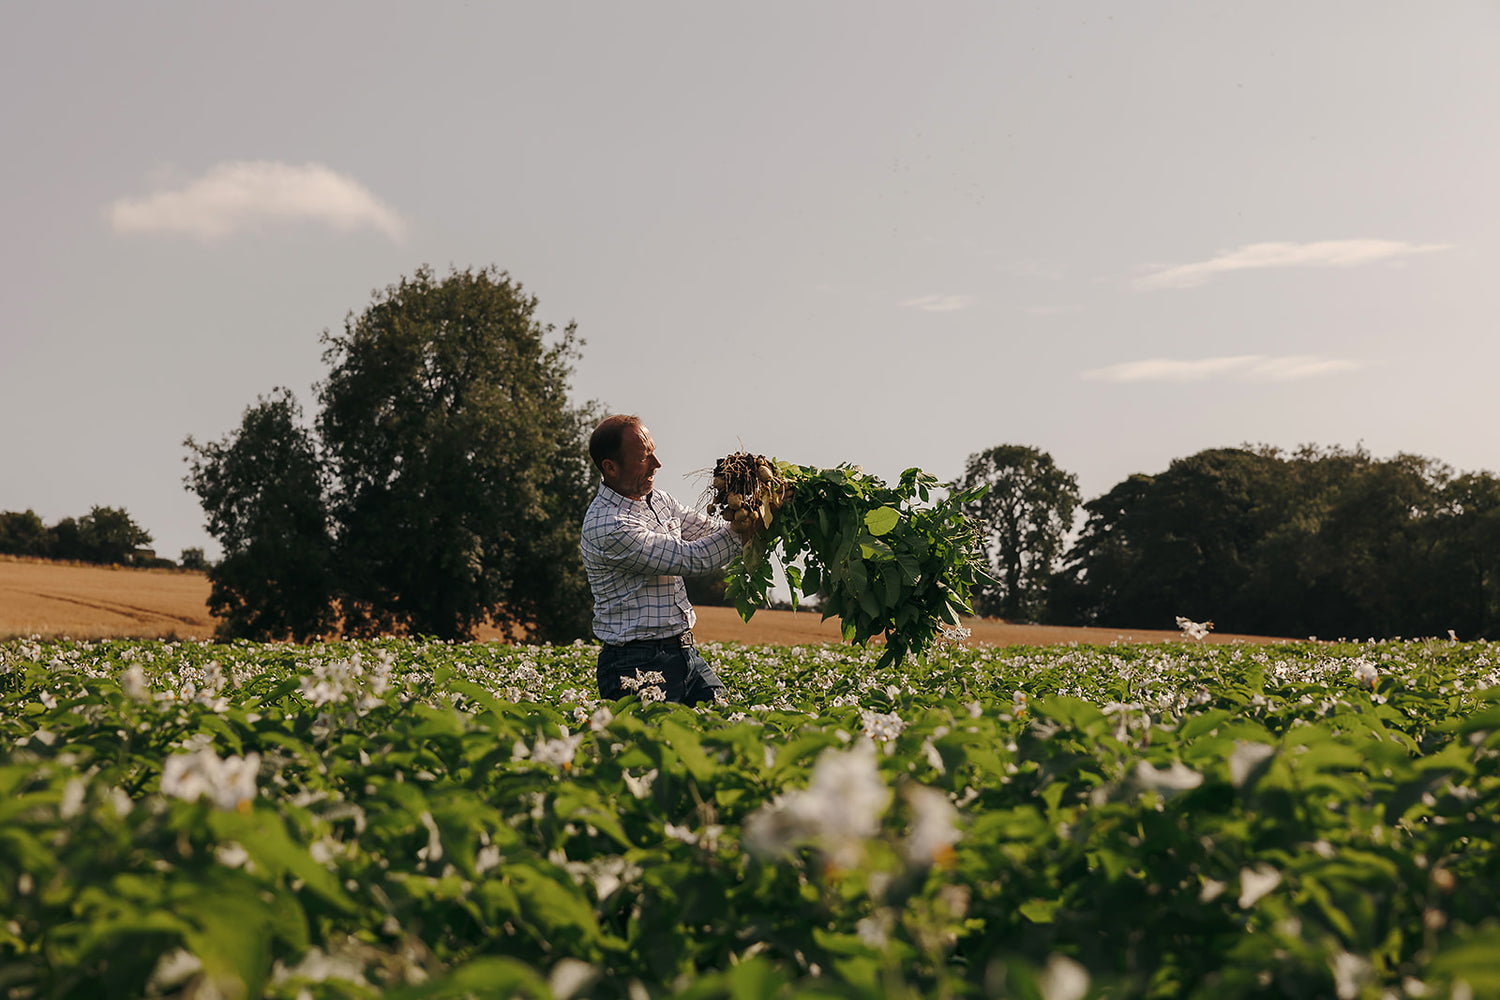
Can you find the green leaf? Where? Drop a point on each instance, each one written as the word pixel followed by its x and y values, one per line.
pixel 1040 911
pixel 893 589
pixel 881 520
pixel 871 547
pixel 1472 960
pixel 479 696
pixel 1068 710
pixel 553 904
pixel 794 583
pixel 231 935
pixel 265 837
pixel 1203 723
pixel 688 749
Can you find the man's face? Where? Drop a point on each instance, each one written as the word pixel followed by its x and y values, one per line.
pixel 635 474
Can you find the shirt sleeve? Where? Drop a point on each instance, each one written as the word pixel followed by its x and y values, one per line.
pixel 631 548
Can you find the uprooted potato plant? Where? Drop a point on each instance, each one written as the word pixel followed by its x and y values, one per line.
pixel 892 561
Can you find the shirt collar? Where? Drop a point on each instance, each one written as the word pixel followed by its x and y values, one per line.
pixel 619 498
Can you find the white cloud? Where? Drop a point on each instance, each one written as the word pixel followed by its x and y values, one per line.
pixel 1255 256
pixel 1238 367
pixel 940 303
pixel 236 196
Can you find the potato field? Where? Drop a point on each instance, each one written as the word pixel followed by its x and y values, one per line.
pixel 410 819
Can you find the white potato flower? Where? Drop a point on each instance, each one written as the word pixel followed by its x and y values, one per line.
pixel 1244 758
pixel 880 727
pixel 934 828
pixel 434 849
pixel 1194 630
pixel 642 678
pixel 1167 780
pixel 559 752
pixel 73 798
pixel 838 811
pixel 1350 974
pixel 1063 979
pixel 229 782
pixel 1257 882
pixel 133 683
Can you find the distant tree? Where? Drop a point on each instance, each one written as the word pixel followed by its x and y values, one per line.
pixel 193 558
pixel 1096 580
pixel 459 469
pixel 110 535
pixel 262 489
pixel 22 534
pixel 65 541
pixel 1024 521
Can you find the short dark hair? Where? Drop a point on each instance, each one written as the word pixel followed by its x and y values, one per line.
pixel 608 439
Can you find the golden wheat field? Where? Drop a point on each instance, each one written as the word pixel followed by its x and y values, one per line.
pixel 57 600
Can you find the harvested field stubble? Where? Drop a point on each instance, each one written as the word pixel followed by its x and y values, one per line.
pixel 39 597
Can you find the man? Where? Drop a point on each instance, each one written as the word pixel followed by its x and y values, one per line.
pixel 638 544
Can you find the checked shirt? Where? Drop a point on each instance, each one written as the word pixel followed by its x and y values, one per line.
pixel 636 553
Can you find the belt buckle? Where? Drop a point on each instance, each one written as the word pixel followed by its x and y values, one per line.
pixel 685 640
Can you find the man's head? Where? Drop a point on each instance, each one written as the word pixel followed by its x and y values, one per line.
pixel 625 455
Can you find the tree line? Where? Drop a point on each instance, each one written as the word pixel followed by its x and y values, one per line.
pixel 105 535
pixel 1322 541
pixel 442 482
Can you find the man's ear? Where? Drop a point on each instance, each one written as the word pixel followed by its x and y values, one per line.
pixel 608 469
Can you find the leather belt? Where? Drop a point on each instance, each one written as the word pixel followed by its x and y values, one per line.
pixel 683 641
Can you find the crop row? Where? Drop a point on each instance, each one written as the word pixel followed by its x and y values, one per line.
pixel 410 819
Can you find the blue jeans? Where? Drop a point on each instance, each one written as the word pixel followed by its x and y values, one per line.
pixel 689 678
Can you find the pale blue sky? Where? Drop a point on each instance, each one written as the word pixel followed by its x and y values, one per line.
pixel 879 233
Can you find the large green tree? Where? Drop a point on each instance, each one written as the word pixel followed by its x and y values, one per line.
pixel 1024 518
pixel 459 467
pixel 1324 541
pixel 262 489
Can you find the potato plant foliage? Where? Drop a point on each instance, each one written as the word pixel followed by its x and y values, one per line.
pixel 412 819
pixel 886 560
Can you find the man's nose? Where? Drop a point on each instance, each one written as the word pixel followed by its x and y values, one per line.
pixel 655 462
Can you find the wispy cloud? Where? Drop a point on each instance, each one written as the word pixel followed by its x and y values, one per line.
pixel 940 303
pixel 1256 256
pixel 1237 367
pixel 237 196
